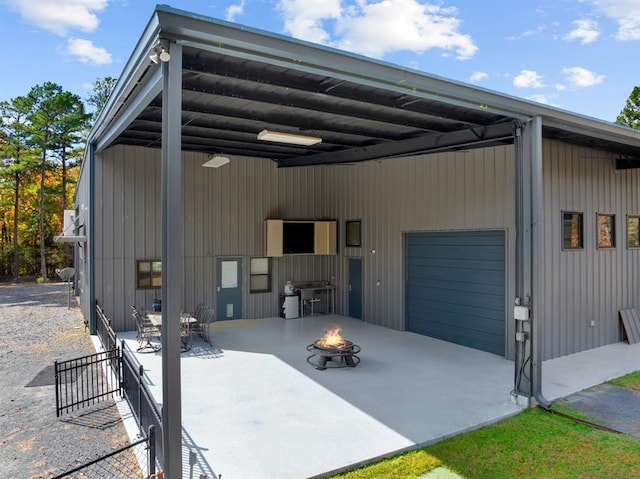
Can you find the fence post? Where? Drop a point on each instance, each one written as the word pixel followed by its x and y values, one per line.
pixel 152 450
pixel 119 374
pixel 140 378
pixel 55 366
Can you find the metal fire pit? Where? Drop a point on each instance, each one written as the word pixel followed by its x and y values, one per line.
pixel 324 357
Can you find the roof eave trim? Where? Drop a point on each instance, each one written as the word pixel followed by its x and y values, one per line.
pixel 133 71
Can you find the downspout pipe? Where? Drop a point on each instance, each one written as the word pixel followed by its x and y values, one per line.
pixel 537 216
pixel 91 240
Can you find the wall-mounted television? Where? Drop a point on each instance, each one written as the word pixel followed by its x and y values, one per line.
pixel 298 237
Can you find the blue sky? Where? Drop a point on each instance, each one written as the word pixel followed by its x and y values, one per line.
pixel 578 55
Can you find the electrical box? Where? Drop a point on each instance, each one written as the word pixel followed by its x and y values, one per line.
pixel 521 313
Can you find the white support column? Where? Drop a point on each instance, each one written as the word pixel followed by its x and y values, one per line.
pixel 172 262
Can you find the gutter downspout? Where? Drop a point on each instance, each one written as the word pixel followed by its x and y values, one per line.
pixel 91 240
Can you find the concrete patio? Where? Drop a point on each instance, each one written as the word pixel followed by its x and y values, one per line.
pixel 252 407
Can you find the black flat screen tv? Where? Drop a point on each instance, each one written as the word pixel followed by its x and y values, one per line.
pixel 298 237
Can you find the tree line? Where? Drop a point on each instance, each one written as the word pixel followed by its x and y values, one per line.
pixel 42 138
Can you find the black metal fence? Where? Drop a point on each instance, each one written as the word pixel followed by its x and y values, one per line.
pixel 104 329
pixel 132 383
pixel 134 461
pixel 142 405
pixel 85 381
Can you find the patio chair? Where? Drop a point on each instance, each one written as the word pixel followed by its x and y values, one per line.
pixel 199 314
pixel 200 308
pixel 146 332
pixel 186 328
pixel 207 323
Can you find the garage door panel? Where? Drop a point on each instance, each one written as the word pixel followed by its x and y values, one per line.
pixel 455 287
pixel 450 251
pixel 485 342
pixel 475 306
pixel 470 238
pixel 457 264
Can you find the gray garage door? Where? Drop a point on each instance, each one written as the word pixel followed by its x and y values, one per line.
pixel 455 286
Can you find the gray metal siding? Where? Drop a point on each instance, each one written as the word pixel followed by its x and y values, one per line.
pixel 224 211
pixel 455 287
pixel 450 191
pixel 588 285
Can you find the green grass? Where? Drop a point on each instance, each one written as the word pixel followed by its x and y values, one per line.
pixel 630 381
pixel 533 445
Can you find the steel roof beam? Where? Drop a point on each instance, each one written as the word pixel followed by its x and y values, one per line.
pixel 413 146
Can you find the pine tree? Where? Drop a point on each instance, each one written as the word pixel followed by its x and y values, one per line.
pixel 17 162
pixel 630 114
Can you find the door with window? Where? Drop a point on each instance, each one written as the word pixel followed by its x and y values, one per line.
pixel 229 288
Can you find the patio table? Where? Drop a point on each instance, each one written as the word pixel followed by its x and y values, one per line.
pixel 186 322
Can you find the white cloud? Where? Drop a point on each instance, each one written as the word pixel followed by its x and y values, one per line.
pixel 581 77
pixel 60 16
pixel 529 33
pixel 540 98
pixel 545 99
pixel 86 52
pixel 305 19
pixel 234 10
pixel 561 86
pixel 585 30
pixel 626 13
pixel 528 79
pixel 477 77
pixel 376 28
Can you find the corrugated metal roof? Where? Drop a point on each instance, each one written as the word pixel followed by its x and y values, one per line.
pixel 238 81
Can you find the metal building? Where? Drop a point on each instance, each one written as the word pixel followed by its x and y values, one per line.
pixel 465 201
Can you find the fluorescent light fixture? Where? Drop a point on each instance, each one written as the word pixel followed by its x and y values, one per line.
pixel 289 138
pixel 216 161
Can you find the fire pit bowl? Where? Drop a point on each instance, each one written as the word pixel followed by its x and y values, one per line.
pixel 333 351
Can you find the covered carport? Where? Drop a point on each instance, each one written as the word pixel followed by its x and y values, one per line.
pixel 198 84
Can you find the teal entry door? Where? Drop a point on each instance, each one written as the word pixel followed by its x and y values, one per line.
pixel 355 288
pixel 229 288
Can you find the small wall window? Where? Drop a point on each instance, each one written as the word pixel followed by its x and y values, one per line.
pixel 633 231
pixel 606 233
pixel 260 275
pixel 572 230
pixel 148 274
pixel 352 231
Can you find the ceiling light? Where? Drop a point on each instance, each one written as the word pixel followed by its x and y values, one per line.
pixel 290 138
pixel 216 161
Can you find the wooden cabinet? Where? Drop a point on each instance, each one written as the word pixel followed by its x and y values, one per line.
pixel 273 237
pixel 325 237
pixel 286 237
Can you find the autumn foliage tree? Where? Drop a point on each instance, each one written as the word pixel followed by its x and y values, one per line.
pixel 42 135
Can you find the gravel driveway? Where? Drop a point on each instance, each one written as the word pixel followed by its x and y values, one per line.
pixel 36 329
